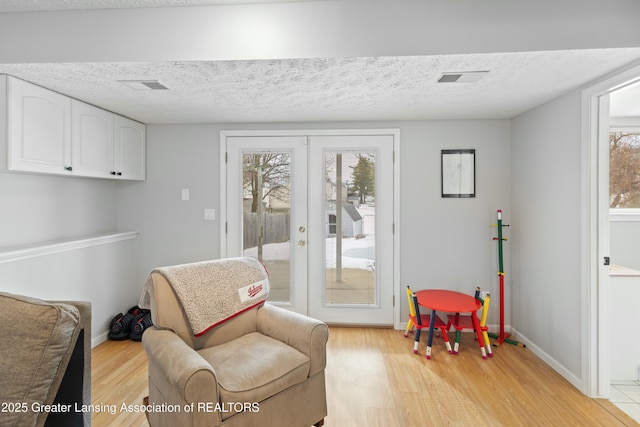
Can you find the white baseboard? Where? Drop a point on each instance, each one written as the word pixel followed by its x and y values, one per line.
pixel 99 339
pixel 546 358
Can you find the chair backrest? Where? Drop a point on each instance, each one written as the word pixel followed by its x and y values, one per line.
pixel 485 305
pixel 168 312
pixel 485 310
pixel 416 308
pixel 412 310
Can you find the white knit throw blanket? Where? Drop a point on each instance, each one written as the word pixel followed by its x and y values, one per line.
pixel 214 291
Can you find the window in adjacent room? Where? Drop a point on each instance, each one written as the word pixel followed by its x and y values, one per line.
pixel 624 172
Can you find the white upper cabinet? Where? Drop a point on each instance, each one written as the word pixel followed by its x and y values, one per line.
pixel 93 141
pixel 38 129
pixel 130 149
pixel 44 131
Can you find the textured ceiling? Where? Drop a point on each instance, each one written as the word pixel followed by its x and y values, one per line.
pixel 320 89
pixel 337 89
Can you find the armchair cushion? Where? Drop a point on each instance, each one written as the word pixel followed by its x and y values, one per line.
pixel 37 343
pixel 307 335
pixel 270 367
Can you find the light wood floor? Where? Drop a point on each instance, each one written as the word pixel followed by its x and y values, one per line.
pixel 374 379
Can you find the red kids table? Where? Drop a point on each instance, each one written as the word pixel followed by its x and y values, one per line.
pixel 450 302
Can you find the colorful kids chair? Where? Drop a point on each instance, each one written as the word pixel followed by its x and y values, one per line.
pixel 461 323
pixel 419 321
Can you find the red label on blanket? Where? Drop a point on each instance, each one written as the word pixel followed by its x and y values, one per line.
pixel 253 291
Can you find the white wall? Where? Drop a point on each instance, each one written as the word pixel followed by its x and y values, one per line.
pixel 172 231
pixel 625 243
pixel 546 233
pixel 101 274
pixel 444 242
pixel 447 243
pixel 37 209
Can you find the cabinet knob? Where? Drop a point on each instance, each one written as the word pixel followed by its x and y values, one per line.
pixel 68 168
pixel 119 173
pixel 113 172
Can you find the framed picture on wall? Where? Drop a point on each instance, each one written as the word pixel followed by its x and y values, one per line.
pixel 458 170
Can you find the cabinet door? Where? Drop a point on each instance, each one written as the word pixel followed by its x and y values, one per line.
pixel 40 129
pixel 130 149
pixel 93 141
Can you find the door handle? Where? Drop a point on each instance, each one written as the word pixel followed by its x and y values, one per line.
pixel 301 243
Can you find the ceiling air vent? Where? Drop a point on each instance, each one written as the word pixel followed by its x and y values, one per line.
pixel 463 77
pixel 144 84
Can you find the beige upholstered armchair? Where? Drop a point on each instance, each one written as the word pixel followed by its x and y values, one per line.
pixel 220 356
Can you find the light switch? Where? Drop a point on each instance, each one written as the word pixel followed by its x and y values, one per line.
pixel 209 214
pixel 185 194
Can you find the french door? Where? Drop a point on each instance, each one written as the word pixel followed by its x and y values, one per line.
pixel 318 211
pixel 267 211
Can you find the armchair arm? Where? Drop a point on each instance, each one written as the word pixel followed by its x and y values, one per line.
pixel 182 375
pixel 307 335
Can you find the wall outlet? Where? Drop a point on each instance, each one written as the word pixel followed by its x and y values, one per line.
pixel 209 214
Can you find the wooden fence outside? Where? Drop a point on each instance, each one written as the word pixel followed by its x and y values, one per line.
pixel 277 228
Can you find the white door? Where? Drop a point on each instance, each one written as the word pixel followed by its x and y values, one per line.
pixel 351 229
pixel 267 211
pixel 284 207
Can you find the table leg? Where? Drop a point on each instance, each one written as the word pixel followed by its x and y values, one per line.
pixel 476 326
pixel 431 327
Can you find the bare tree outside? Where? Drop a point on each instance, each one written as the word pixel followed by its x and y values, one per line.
pixel 267 178
pixel 624 170
pixel 267 175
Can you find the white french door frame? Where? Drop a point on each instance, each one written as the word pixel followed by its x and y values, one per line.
pixel 224 134
pixel 296 147
pixel 595 232
pixel 380 310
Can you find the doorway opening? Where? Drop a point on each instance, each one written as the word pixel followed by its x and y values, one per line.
pixel 596 233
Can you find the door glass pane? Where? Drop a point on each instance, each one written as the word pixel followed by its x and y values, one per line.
pixel 349 205
pixel 266 217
